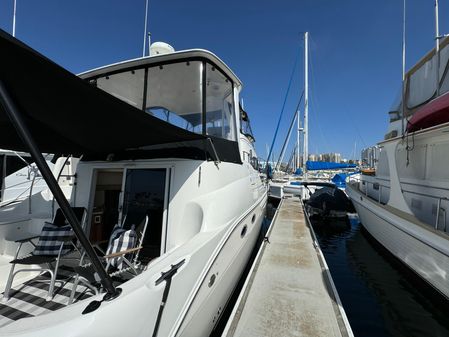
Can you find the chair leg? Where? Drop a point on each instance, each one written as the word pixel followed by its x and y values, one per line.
pixel 86 283
pixel 52 286
pixel 72 293
pixel 130 265
pixel 9 283
pixel 54 275
pixel 11 275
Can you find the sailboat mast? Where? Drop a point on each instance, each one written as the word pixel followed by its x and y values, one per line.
pixel 14 19
pixel 298 164
pixel 306 100
pixel 437 49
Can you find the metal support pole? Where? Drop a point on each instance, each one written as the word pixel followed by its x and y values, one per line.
pixel 14 19
pixel 438 213
pixel 437 50
pixel 403 71
pixel 19 124
pixel 145 29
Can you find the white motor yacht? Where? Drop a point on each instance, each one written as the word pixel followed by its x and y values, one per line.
pixel 159 138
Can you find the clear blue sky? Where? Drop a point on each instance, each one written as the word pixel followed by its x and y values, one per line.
pixel 355 52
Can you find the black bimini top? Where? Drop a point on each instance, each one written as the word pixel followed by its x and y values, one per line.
pixel 67 115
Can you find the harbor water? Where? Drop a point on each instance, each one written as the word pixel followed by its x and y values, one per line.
pixel 380 296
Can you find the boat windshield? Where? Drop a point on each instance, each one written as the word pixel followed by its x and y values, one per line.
pixel 175 93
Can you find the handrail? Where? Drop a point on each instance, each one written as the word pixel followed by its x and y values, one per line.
pixel 57 179
pixel 31 190
pixel 425 194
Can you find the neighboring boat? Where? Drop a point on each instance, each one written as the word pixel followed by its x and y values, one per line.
pixel 26 200
pixel 329 201
pixel 158 135
pixel 404 202
pixel 17 175
pixel 22 184
pixel 340 179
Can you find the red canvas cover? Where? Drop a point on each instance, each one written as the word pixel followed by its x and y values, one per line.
pixel 433 113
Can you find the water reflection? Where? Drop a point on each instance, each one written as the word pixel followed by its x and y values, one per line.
pixel 380 296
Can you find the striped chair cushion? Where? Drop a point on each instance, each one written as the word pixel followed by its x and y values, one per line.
pixel 121 240
pixel 51 238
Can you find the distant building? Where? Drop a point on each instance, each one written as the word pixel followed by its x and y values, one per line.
pixel 331 157
pixel 370 156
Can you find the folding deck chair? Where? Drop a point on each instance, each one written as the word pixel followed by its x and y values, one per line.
pixel 122 255
pixel 55 241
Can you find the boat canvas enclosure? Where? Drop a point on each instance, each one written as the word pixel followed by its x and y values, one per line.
pixel 324 165
pixel 68 115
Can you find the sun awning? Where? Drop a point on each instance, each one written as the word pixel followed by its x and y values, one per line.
pixel 68 115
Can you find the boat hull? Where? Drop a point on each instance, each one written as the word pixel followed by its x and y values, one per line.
pixel 422 250
pixel 226 270
pixel 187 313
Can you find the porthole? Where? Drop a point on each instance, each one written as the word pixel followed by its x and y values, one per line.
pixel 253 218
pixel 212 280
pixel 243 232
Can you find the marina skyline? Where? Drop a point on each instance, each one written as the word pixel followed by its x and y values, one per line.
pixel 355 52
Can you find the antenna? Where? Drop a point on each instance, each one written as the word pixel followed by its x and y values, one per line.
pixel 14 19
pixel 145 29
pixel 403 69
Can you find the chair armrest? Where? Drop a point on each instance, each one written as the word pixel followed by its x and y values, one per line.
pixel 26 239
pixel 67 238
pixel 123 252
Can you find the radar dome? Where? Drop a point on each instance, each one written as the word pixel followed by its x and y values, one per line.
pixel 159 48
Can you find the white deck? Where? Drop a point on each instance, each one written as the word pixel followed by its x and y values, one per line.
pixel 288 291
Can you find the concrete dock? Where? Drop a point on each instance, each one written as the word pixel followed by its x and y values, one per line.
pixel 289 290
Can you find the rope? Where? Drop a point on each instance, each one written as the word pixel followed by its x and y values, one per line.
pixel 283 107
pixel 409 148
pixel 289 132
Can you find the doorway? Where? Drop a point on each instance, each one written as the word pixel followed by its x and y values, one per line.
pixel 145 194
pixel 126 196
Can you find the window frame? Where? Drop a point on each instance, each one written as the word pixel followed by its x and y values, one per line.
pixel 93 80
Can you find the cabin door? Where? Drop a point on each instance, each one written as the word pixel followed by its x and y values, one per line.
pixel 144 192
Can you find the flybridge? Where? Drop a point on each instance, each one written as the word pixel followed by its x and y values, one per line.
pixel 70 115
